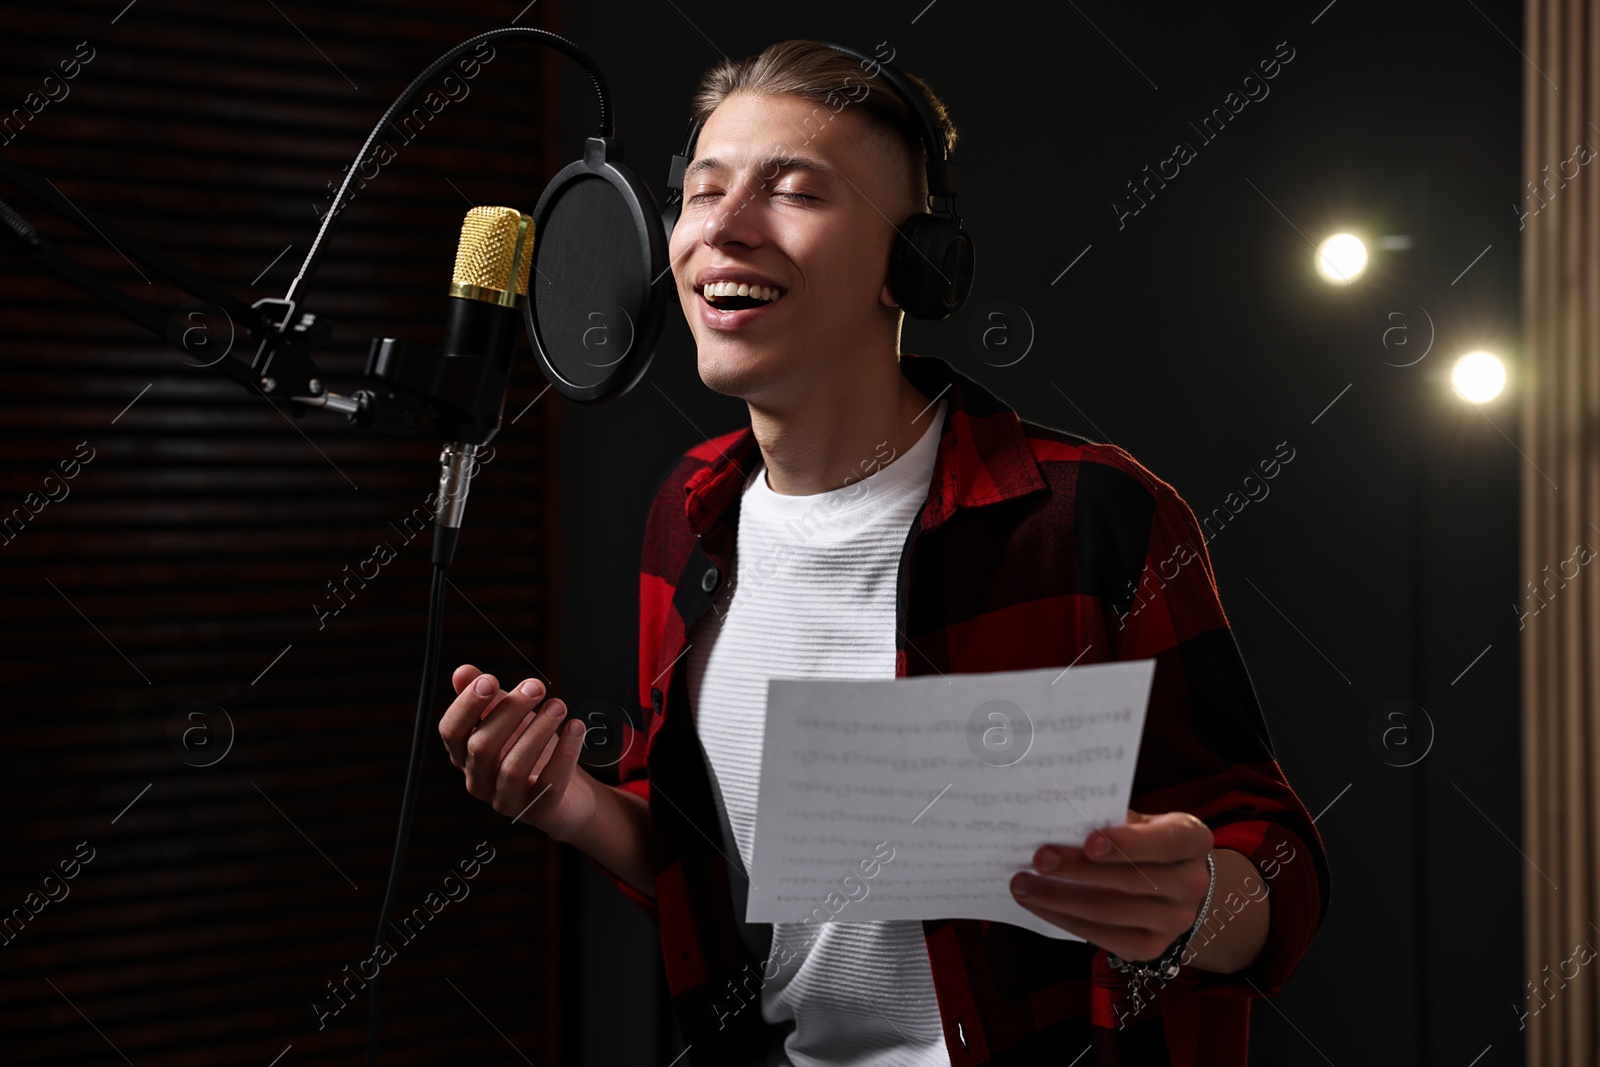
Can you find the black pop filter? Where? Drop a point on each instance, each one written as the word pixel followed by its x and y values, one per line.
pixel 600 285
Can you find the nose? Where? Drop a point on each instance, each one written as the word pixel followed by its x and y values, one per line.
pixel 734 219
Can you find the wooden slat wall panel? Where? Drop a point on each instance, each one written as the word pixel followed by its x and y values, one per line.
pixel 185 557
pixel 1561 408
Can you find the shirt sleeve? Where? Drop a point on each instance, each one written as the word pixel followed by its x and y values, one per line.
pixel 1206 749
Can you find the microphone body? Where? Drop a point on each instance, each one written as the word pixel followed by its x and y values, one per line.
pixel 487 289
pixel 476 365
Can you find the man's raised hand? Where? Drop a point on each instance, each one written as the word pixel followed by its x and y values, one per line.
pixel 507 746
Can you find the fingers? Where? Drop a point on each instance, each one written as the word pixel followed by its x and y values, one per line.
pixel 518 766
pixel 1069 906
pixel 1165 881
pixel 463 714
pixel 486 745
pixel 1167 838
pixel 463 676
pixel 507 746
pixel 562 765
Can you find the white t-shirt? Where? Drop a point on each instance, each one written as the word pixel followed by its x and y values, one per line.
pixel 813 596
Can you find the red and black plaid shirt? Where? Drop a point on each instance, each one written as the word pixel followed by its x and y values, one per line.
pixel 1035 548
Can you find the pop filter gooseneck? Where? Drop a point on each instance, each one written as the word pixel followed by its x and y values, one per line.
pixel 607 128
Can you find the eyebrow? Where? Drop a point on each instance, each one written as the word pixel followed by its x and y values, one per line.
pixel 804 164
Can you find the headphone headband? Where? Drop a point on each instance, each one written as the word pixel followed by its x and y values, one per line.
pixel 942 181
pixel 943 178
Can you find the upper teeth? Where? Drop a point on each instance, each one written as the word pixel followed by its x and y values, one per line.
pixel 755 292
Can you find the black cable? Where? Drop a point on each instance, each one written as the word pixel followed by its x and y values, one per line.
pixel 607 127
pixel 445 537
pixel 408 802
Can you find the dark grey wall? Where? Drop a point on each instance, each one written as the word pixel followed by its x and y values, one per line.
pixel 1194 335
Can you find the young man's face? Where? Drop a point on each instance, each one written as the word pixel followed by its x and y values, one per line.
pixel 799 198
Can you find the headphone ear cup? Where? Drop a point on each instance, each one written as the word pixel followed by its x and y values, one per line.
pixel 931 267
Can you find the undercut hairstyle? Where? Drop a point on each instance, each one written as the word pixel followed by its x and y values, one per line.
pixel 835 82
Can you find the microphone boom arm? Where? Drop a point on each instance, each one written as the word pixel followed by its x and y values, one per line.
pixel 282 368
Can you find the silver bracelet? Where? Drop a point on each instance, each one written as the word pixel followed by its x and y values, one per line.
pixel 1167 965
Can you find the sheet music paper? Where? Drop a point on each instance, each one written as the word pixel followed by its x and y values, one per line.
pixel 920 798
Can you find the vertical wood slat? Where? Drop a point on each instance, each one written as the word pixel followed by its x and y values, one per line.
pixel 181 563
pixel 1561 403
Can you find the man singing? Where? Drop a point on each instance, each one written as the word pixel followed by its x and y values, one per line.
pixel 885 516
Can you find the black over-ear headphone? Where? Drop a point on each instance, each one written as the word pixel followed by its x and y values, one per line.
pixel 931 265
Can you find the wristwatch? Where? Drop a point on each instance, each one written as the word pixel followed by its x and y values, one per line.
pixel 1166 966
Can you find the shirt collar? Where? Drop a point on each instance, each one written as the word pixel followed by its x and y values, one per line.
pixel 983 455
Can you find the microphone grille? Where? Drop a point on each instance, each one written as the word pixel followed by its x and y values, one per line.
pixel 494 256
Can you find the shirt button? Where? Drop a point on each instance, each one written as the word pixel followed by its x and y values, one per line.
pixel 708 581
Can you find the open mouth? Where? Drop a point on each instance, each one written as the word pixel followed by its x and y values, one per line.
pixel 738 296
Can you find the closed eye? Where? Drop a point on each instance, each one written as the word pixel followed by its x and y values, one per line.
pixel 796 197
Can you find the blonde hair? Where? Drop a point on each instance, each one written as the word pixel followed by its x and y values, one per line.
pixel 816 72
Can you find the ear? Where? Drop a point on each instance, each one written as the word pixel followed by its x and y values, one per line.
pixel 886 297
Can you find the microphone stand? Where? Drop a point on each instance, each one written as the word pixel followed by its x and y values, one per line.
pixel 283 371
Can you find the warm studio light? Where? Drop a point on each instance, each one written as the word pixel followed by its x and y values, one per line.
pixel 1341 258
pixel 1478 376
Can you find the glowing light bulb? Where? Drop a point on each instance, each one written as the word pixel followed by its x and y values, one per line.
pixel 1341 258
pixel 1478 376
